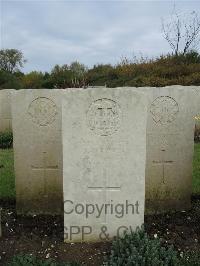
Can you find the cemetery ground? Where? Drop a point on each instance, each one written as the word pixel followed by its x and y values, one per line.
pixel 42 236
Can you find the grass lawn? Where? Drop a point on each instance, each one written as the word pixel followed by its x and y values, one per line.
pixel 196 169
pixel 7 181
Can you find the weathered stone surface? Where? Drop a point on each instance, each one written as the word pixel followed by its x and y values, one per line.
pixel 104 150
pixel 5 110
pixel 196 104
pixel 170 142
pixel 37 151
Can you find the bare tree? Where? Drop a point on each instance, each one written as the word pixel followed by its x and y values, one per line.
pixel 182 32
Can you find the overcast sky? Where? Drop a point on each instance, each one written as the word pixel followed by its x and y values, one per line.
pixel 59 32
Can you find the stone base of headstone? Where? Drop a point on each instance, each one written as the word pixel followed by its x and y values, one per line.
pixel 167 205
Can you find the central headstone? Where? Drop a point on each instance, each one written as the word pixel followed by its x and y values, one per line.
pixel 104 150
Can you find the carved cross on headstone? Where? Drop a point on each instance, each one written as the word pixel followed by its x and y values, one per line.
pixel 44 170
pixel 105 189
pixel 163 162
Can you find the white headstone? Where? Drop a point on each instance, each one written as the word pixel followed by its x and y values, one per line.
pixel 104 150
pixel 5 110
pixel 37 151
pixel 170 144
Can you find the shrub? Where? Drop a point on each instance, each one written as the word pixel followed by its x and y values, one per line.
pixel 138 249
pixel 6 140
pixel 27 260
pixel 190 259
